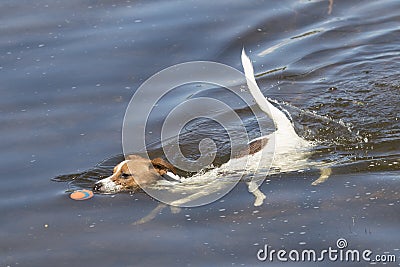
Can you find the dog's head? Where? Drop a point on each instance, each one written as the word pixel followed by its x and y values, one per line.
pixel 132 173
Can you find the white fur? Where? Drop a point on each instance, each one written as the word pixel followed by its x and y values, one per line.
pixel 287 138
pixel 174 176
pixel 109 186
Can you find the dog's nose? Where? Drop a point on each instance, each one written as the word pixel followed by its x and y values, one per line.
pixel 97 187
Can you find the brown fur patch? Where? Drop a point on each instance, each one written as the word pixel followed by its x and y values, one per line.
pixel 253 148
pixel 257 145
pixel 127 184
pixel 162 167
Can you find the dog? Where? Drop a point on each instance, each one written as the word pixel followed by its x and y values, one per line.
pixel 136 171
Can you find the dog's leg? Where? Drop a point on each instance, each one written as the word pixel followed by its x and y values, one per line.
pixel 175 209
pixel 151 215
pixel 155 212
pixel 253 188
pixel 185 200
pixel 325 173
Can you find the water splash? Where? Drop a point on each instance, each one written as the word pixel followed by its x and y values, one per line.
pixel 321 129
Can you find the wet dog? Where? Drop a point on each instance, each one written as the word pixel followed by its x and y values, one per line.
pixel 288 148
pixel 136 171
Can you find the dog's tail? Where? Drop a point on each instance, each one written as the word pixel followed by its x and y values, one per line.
pixel 282 123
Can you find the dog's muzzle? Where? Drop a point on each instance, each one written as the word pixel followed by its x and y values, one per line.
pixel 97 187
pixel 106 185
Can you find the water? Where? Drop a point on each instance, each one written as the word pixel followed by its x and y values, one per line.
pixel 69 69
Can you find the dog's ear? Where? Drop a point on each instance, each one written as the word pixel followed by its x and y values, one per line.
pixel 162 167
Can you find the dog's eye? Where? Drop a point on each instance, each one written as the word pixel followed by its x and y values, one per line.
pixel 125 175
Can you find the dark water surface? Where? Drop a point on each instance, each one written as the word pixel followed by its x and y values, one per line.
pixel 69 68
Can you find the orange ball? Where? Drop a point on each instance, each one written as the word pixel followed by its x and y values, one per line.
pixel 82 194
